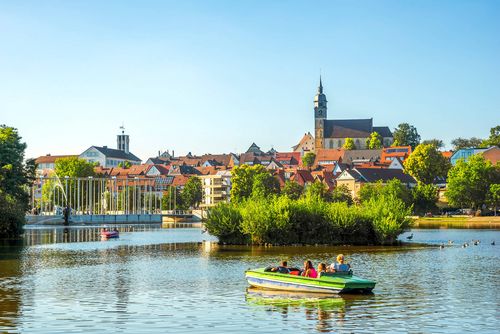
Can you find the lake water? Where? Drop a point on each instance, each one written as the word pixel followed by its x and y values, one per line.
pixel 168 281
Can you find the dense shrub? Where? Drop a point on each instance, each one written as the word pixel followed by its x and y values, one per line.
pixel 309 220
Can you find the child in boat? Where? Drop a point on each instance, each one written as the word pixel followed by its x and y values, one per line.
pixel 340 266
pixel 309 270
pixel 321 268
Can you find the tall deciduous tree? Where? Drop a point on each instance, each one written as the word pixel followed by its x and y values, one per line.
pixel 242 181
pixel 426 163
pixel 436 142
pixel 292 190
pixel 349 144
pixel 308 159
pixel 374 141
pixel 192 192
pixel 425 197
pixel 494 196
pixel 15 176
pixel 318 190
pixel 469 182
pixel 460 143
pixel 494 138
pixel 342 194
pixel 73 167
pixel 265 185
pixel 406 135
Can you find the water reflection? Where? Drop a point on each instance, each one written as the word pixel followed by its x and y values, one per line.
pixel 46 235
pixel 148 281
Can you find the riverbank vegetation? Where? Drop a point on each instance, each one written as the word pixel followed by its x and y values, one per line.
pixel 259 214
pixel 15 175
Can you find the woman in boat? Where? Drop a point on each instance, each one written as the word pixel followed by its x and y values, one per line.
pixel 321 268
pixel 309 270
pixel 340 266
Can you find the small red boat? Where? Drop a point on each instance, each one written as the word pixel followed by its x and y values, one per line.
pixel 110 234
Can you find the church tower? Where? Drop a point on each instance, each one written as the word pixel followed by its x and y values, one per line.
pixel 123 141
pixel 319 117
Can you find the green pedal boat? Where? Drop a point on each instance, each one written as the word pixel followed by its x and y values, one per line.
pixel 329 283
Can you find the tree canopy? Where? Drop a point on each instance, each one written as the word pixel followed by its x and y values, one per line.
pixel 406 135
pixel 494 138
pixel 469 182
pixel 265 185
pixel 15 176
pixel 242 180
pixel 460 143
pixel 308 159
pixel 374 141
pixel 426 163
pixel 292 190
pixel 349 144
pixel 73 167
pixel 192 192
pixel 438 143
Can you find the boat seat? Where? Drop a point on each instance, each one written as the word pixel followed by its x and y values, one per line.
pixel 337 273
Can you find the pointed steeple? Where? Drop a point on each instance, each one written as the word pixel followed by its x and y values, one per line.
pixel 320 88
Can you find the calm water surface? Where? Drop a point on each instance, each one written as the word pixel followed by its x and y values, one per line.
pixel 153 280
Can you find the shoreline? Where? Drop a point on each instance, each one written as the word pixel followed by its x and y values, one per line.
pixel 460 222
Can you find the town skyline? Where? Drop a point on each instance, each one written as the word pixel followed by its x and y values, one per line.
pixel 239 73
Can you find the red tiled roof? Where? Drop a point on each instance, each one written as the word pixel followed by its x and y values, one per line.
pixel 47 159
pixel 324 154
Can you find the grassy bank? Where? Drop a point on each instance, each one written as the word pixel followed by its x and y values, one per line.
pixel 458 222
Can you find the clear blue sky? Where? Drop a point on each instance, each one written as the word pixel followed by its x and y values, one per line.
pixel 215 76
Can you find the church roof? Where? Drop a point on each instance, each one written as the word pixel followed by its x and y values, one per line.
pixel 117 154
pixel 384 131
pixel 352 128
pixel 254 149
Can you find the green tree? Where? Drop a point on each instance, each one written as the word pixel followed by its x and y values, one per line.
pixel 15 178
pixel 172 199
pixel 374 141
pixel 192 192
pixel 341 194
pixel 242 179
pixel 406 135
pixel 265 185
pixel 73 167
pixel 460 143
pixel 438 143
pixel 494 196
pixel 349 144
pixel 292 190
pixel 392 188
pixel 469 182
pixel 318 190
pixel 308 159
pixel 494 138
pixel 425 197
pixel 426 163
pixel 125 164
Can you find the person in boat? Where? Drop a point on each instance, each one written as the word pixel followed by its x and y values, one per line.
pixel 321 268
pixel 340 266
pixel 309 270
pixel 115 230
pixel 282 268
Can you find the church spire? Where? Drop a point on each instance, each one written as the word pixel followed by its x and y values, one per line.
pixel 320 88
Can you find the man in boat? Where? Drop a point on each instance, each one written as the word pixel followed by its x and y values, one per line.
pixel 282 268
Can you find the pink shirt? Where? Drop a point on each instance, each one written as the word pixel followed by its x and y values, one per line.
pixel 312 273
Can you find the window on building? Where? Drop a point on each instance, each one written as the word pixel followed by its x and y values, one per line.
pixel 331 143
pixel 339 143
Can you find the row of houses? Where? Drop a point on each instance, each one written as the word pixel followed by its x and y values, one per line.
pixel 332 167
